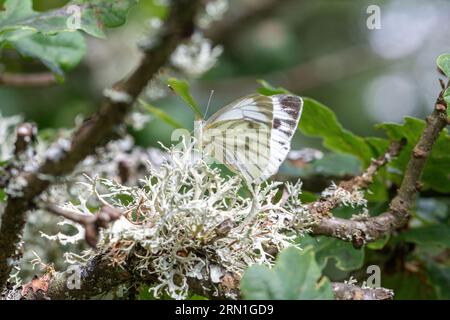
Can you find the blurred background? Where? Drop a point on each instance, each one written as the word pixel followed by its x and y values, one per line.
pixel 321 49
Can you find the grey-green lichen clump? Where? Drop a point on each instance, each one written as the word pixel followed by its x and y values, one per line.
pixel 185 220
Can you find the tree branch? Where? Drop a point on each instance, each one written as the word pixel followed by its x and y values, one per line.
pixel 93 282
pixel 91 223
pixel 347 291
pixel 95 131
pixel 27 80
pixel 374 228
pixel 324 205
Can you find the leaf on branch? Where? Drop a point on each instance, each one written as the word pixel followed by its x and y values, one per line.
pixel 181 88
pixel 59 52
pixel 408 286
pixel 347 257
pixel 267 89
pixel 438 234
pixel 163 116
pixel 94 16
pixel 443 63
pixel 295 276
pixel 439 277
pixel 320 121
pixel 53 37
pixel 436 174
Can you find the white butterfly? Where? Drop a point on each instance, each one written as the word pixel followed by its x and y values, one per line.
pixel 252 135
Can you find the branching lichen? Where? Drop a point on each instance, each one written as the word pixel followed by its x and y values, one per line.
pixel 341 196
pixel 185 220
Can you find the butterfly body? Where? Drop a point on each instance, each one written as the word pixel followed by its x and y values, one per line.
pixel 252 135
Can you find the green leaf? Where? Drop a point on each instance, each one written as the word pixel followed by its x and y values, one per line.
pixel 15 11
pixel 181 88
pixel 443 63
pixel 436 173
pixel 439 278
pixel 97 14
pixel 59 52
pixel 438 234
pixel 161 115
pixel 52 36
pixel 295 276
pixel 447 98
pixel 307 197
pixel 347 258
pixel 94 16
pixel 433 210
pixel 378 244
pixel 319 121
pixel 336 164
pixel 408 286
pixel 268 90
pixel 378 145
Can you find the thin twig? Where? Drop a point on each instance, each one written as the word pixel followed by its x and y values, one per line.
pixel 92 223
pixel 27 80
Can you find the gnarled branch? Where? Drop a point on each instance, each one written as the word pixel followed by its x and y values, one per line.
pixel 374 228
pixel 93 282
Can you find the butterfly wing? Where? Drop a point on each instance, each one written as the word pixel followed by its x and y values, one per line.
pixel 252 135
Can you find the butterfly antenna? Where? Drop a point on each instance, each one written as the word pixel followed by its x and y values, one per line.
pixel 209 102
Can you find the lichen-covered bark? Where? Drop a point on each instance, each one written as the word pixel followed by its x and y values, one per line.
pixel 347 291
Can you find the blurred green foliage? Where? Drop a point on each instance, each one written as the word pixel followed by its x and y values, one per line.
pixel 295 276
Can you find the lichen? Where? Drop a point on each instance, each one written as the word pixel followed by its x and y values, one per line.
pixel 341 196
pixel 197 56
pixel 186 220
